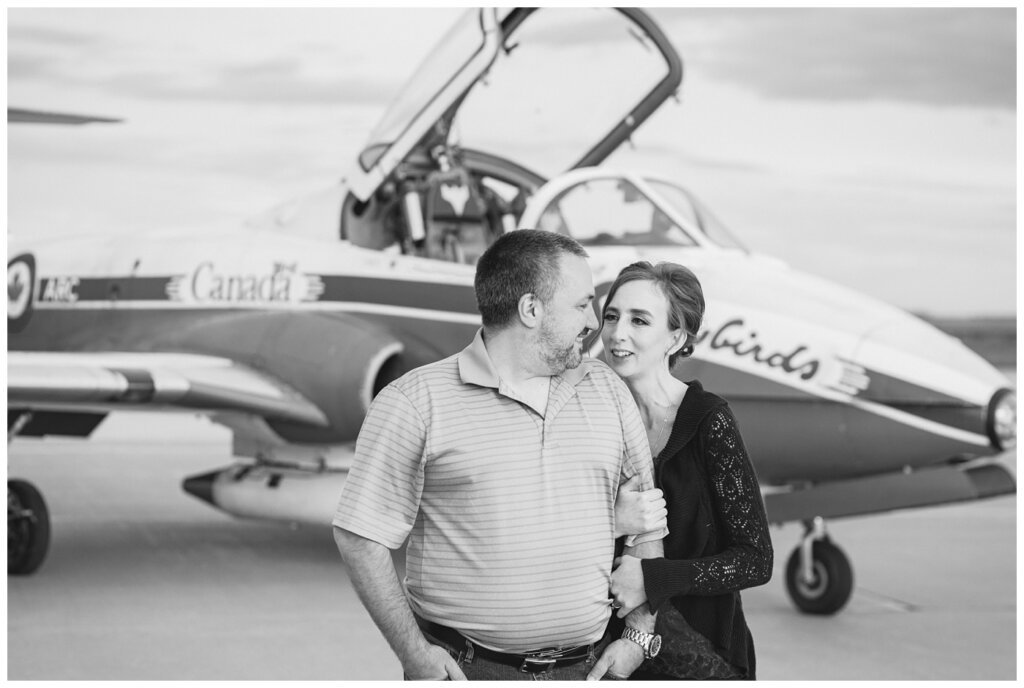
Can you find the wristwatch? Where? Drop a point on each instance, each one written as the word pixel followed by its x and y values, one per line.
pixel 650 642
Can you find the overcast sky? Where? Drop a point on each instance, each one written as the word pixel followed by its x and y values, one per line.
pixel 875 147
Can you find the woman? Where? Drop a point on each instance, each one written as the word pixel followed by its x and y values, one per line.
pixel 718 541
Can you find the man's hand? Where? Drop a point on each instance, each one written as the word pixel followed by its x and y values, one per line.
pixel 372 572
pixel 627 586
pixel 619 660
pixel 638 512
pixel 433 665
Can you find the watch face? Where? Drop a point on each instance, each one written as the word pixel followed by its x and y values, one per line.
pixel 655 646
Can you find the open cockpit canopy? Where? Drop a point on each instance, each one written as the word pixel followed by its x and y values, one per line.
pixel 542 90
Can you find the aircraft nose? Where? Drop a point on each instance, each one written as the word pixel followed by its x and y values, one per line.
pixel 922 397
pixel 201 486
pixel 1001 420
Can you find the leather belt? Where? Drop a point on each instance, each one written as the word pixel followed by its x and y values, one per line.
pixel 530 662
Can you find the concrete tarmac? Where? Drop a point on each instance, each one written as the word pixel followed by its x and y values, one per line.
pixel 144 582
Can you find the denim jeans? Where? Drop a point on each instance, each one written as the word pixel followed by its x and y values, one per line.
pixel 477 668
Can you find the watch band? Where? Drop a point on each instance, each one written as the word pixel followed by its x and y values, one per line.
pixel 650 642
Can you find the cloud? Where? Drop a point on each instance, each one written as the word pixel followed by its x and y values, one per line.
pixel 935 56
pixel 276 80
pixel 38 52
pixel 47 36
pixel 28 67
pixel 222 56
pixel 271 81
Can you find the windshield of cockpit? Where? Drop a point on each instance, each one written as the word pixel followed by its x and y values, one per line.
pixel 612 211
pixel 696 212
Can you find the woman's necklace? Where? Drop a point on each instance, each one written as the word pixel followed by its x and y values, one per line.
pixel 661 416
pixel 664 423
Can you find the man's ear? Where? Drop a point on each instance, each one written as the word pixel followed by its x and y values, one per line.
pixel 530 310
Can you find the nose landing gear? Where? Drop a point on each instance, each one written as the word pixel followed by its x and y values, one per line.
pixel 28 528
pixel 819 577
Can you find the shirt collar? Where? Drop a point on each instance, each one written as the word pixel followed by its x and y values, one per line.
pixel 475 365
pixel 476 368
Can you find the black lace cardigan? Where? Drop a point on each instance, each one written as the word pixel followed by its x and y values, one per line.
pixel 718 541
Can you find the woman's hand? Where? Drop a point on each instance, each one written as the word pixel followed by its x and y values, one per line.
pixel 628 584
pixel 638 512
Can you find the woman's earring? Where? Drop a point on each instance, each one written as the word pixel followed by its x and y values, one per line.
pixel 669 352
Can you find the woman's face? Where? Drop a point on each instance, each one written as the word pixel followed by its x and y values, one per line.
pixel 636 334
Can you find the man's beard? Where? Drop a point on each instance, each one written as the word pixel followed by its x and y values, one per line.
pixel 557 357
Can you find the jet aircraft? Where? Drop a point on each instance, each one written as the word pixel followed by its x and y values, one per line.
pixel 22 115
pixel 849 406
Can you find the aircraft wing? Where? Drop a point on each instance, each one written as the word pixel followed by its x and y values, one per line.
pixel 100 382
pixel 872 494
pixel 22 115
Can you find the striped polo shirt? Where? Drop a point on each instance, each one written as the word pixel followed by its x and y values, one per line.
pixel 509 514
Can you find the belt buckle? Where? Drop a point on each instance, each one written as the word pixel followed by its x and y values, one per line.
pixel 537 664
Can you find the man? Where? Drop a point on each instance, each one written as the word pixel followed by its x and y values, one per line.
pixel 501 464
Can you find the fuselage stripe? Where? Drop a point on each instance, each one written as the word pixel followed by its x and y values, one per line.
pixel 310 306
pixel 455 297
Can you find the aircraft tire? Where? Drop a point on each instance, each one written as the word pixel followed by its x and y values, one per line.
pixel 28 528
pixel 833 580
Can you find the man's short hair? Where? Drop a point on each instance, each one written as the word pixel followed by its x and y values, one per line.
pixel 525 261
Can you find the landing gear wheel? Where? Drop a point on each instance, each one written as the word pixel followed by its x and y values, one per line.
pixel 28 528
pixel 831 582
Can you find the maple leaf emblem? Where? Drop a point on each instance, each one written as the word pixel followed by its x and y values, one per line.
pixel 456 195
pixel 19 290
pixel 15 288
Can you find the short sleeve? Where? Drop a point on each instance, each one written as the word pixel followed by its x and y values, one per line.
pixel 381 496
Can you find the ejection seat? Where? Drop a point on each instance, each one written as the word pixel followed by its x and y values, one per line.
pixel 456 224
